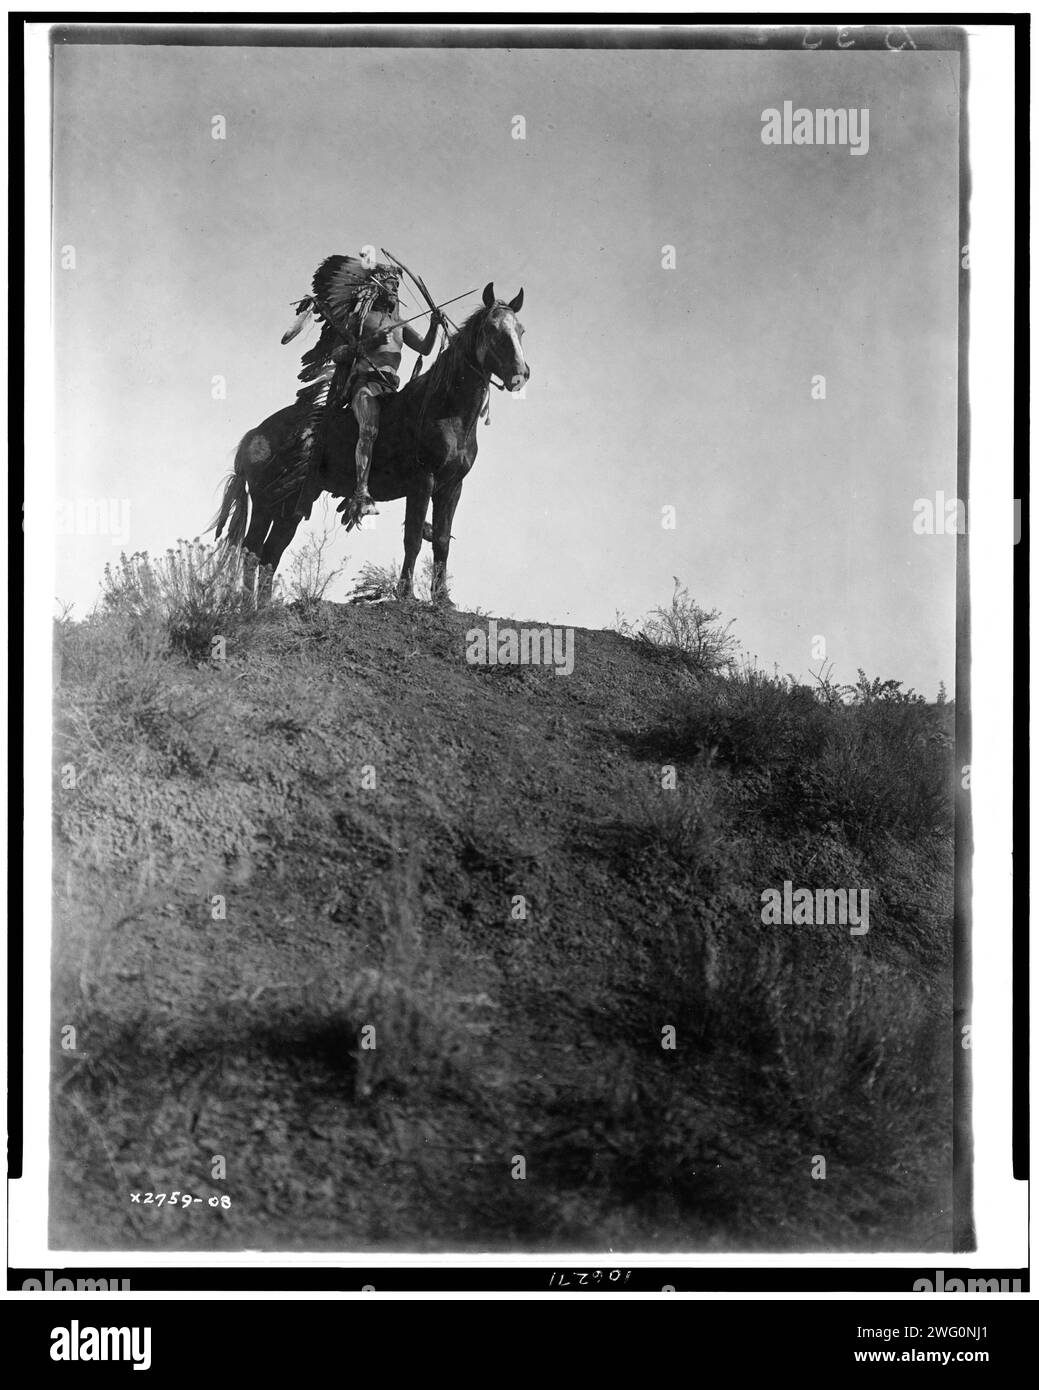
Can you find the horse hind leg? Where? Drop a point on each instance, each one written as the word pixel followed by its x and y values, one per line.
pixel 264 586
pixel 274 547
pixel 249 568
pixel 259 526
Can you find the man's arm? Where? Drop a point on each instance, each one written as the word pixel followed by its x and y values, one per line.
pixel 424 345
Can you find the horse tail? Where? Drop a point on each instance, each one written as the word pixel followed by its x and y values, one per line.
pixel 234 509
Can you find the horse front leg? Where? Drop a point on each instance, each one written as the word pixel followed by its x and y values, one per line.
pixel 444 504
pixel 414 529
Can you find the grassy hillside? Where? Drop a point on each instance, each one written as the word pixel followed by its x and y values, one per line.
pixel 329 822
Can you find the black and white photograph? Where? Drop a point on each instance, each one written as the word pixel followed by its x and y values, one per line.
pixel 510 715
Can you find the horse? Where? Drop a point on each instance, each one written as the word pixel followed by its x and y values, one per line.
pixel 425 446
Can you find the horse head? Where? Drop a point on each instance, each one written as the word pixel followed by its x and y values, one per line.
pixel 500 345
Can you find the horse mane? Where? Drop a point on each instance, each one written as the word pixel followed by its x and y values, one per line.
pixel 445 371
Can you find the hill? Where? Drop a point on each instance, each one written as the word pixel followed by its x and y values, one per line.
pixel 544 895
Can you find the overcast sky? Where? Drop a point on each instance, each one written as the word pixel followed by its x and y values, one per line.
pixel 688 387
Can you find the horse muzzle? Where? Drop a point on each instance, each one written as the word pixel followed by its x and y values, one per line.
pixel 519 379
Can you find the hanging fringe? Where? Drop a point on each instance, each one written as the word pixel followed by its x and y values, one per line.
pixel 288 471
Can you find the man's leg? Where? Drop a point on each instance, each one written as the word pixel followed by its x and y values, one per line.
pixel 365 407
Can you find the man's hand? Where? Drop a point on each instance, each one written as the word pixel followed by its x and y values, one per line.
pixel 424 345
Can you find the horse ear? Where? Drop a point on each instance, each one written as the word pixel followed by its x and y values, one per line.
pixel 488 295
pixel 517 304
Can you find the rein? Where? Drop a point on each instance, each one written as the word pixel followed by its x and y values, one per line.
pixel 488 381
pixel 488 376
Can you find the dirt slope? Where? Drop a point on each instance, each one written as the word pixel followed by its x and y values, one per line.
pixel 342 826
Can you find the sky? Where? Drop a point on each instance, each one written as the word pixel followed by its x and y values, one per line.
pixel 652 387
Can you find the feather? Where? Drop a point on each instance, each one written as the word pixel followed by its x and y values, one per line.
pixel 305 309
pixel 340 283
pixel 315 358
pixel 337 281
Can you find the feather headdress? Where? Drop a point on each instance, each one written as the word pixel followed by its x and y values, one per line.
pixel 341 281
pixel 343 288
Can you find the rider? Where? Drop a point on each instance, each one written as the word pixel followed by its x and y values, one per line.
pixel 366 368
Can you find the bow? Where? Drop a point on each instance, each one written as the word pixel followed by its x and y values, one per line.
pixel 420 285
pixel 400 323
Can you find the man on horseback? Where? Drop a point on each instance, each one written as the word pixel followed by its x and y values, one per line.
pixel 299 452
pixel 358 355
pixel 366 368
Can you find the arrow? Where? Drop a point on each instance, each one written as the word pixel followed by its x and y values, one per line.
pixel 399 323
pixel 419 282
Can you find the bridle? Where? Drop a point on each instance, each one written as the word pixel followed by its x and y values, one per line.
pixel 486 375
pixel 483 372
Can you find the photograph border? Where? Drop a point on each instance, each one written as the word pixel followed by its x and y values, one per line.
pixel 280 1270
